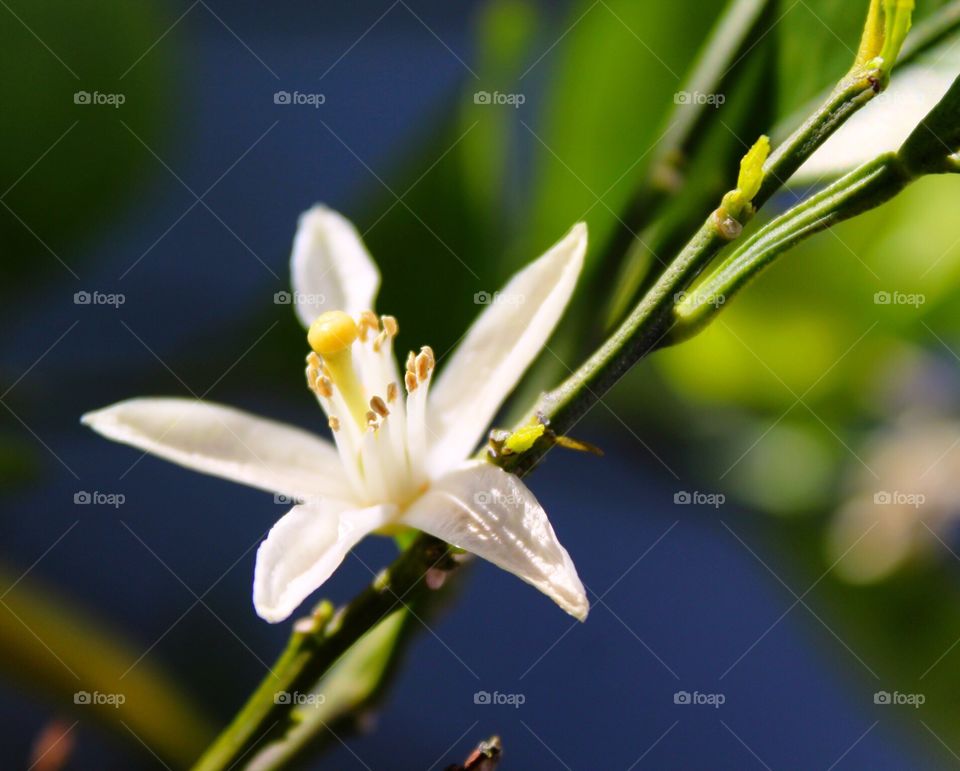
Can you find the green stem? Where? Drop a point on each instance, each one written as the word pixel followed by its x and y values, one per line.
pixel 923 38
pixel 930 149
pixel 850 94
pixel 311 652
pixel 867 77
pixel 888 22
pixel 867 187
pixel 737 31
pixel 643 331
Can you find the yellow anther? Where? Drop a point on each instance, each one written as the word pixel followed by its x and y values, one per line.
pixel 379 406
pixel 423 363
pixel 368 323
pixel 331 333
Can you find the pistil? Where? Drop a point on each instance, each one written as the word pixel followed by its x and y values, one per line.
pixel 331 336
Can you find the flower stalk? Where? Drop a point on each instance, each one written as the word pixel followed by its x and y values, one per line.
pixel 317 643
pixel 930 149
pixel 886 27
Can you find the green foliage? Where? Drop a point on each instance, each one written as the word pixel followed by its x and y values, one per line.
pixel 51 51
pixel 94 657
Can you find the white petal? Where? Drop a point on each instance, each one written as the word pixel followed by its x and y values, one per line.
pixel 330 267
pixel 499 347
pixel 304 548
pixel 483 509
pixel 227 443
pixel 884 123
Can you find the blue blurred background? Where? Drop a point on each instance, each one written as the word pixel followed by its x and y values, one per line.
pixel 183 201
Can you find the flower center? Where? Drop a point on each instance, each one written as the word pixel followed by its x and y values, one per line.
pixel 381 436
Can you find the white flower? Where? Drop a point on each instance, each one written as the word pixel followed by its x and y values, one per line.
pixel 402 444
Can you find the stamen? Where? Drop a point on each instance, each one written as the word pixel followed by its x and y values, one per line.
pixel 419 368
pixel 313 370
pixel 424 363
pixel 390 325
pixel 334 423
pixel 392 392
pixel 372 420
pixel 317 383
pixel 368 322
pixel 377 405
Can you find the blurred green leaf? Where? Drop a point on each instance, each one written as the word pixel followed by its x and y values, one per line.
pixel 67 165
pixel 86 657
pixel 612 76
